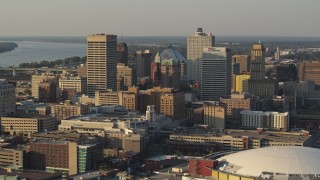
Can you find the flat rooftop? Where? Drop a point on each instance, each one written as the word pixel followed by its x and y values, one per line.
pixel 34 175
pixel 107 117
pixel 70 135
pixel 267 135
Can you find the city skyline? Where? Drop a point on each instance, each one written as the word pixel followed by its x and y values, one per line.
pixel 142 17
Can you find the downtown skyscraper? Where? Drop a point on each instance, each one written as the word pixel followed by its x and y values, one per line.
pixel 258 52
pixel 258 84
pixel 101 63
pixel 195 45
pixel 215 73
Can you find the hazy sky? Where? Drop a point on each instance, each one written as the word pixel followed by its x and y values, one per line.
pixel 159 17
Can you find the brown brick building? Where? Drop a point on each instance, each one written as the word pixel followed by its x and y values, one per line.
pixel 67 110
pixel 54 156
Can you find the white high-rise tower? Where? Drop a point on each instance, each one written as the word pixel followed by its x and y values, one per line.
pixel 195 46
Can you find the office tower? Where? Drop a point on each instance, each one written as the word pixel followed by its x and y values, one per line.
pixel 287 72
pixel 257 62
pixel 37 79
pixel 122 53
pixel 184 66
pixel 127 75
pixel 214 114
pixel 309 70
pixel 215 73
pixel 172 104
pixel 48 91
pixel 77 83
pixel 170 74
pixel 265 88
pixel 171 68
pixel 155 72
pixel 143 63
pixel 89 156
pixel 195 45
pixel 241 82
pixel 7 98
pixel 257 84
pixel 244 61
pixel 82 70
pixel 235 68
pixel 101 63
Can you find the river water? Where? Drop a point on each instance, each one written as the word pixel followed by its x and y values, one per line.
pixel 29 51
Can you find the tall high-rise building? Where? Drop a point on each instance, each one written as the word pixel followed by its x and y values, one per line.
pixel 143 63
pixel 215 73
pixel 257 62
pixel 241 82
pixel 7 98
pixel 101 63
pixel 127 74
pixel 195 46
pixel 122 53
pixel 257 83
pixel 172 104
pixel 171 68
pixel 244 61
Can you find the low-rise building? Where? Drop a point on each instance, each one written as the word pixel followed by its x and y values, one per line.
pixel 54 156
pixel 214 114
pixel 30 109
pixel 77 83
pixel 67 110
pixel 27 126
pixel 259 119
pixel 234 105
pixel 235 140
pixel 12 157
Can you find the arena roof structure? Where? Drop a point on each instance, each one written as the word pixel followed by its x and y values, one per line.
pixel 271 161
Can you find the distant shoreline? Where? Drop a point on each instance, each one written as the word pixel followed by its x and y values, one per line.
pixel 7 46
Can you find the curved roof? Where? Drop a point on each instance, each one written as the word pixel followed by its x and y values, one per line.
pixel 171 53
pixel 283 159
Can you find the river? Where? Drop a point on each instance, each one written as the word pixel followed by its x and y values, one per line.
pixel 29 51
